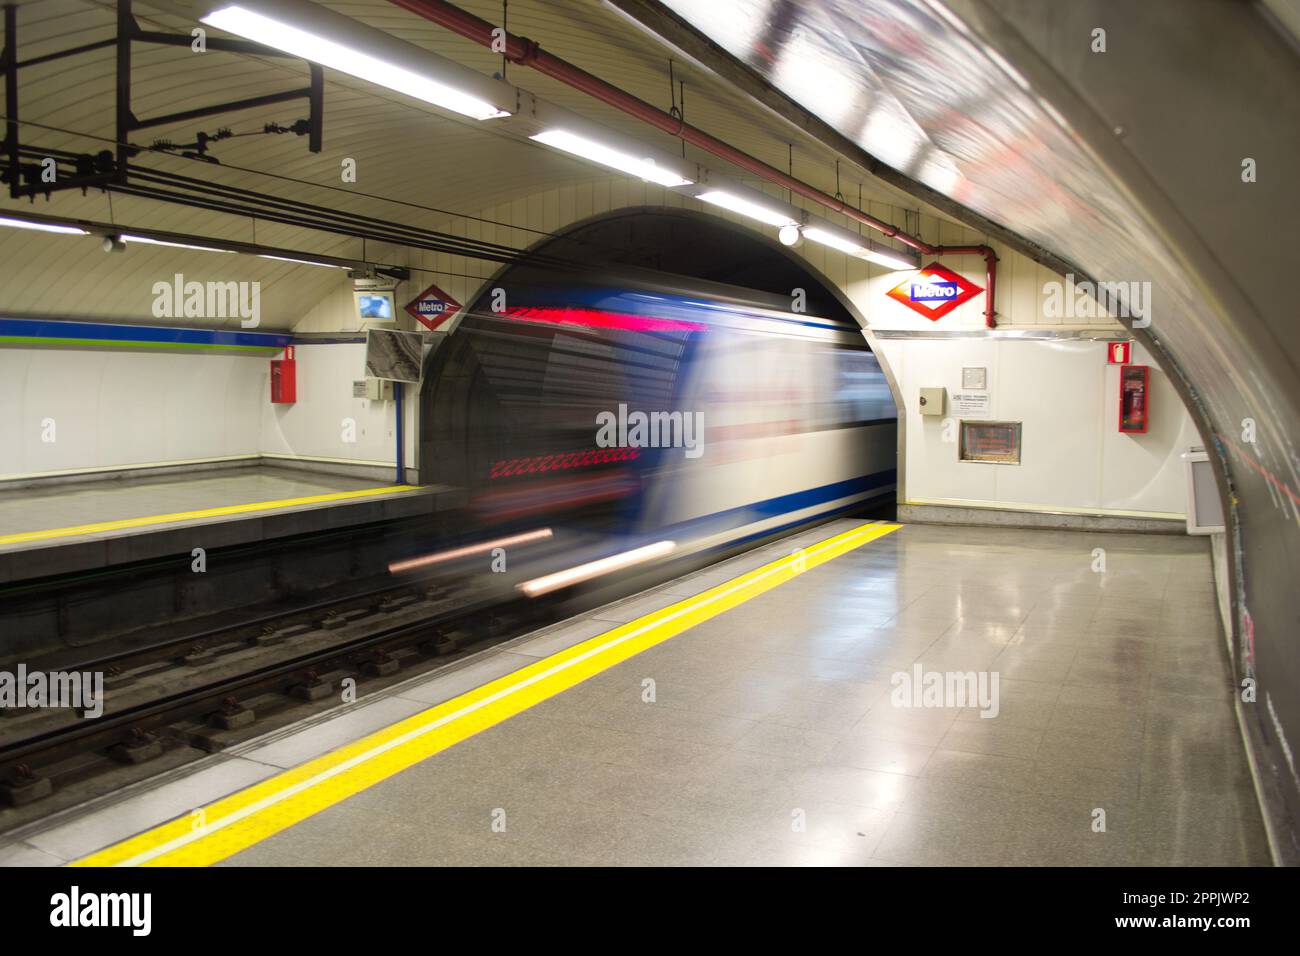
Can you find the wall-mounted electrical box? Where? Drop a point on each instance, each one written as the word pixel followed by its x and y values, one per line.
pixel 284 378
pixel 379 390
pixel 932 400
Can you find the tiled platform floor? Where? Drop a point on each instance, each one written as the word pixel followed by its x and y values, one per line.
pixel 1115 695
pixel 772 738
pixel 92 502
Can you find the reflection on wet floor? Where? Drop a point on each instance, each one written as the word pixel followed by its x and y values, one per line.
pixel 774 736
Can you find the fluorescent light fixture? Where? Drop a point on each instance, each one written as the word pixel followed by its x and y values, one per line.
pixel 746 208
pixel 175 245
pixel 834 240
pixel 301 262
pixel 643 167
pixel 43 227
pixel 312 46
pixel 890 260
pixel 594 569
pixel 861 248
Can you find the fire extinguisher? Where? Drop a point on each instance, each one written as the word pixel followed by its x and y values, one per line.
pixel 284 378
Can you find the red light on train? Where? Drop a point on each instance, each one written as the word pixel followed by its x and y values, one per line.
pixel 562 462
pixel 599 319
pixel 555 496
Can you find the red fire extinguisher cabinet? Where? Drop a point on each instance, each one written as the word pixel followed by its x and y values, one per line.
pixel 284 378
pixel 1134 399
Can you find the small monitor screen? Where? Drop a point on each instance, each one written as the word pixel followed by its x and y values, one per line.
pixel 393 355
pixel 376 306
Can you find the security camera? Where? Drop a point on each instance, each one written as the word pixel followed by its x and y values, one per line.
pixel 113 244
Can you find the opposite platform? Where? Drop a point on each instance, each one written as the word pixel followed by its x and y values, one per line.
pixel 90 525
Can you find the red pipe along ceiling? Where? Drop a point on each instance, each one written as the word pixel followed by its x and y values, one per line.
pixel 528 53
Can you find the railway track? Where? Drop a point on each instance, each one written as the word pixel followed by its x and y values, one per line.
pixel 177 700
pixel 173 699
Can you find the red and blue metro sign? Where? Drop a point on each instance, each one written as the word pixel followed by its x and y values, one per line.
pixel 433 307
pixel 934 291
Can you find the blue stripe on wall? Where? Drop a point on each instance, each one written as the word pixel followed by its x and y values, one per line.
pixel 153 334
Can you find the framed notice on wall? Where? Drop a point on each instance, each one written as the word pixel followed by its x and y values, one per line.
pixel 996 442
pixel 970 403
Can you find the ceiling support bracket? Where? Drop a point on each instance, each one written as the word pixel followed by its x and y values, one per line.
pixel 112 167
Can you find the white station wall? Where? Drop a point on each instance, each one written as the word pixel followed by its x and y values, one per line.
pixel 1066 396
pixel 327 414
pixel 114 407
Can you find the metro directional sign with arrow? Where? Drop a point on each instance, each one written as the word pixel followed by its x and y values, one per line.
pixel 433 307
pixel 934 291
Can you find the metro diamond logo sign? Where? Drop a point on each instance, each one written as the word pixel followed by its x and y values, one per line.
pixel 433 307
pixel 934 291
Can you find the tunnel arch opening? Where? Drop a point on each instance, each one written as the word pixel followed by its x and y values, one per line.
pixel 655 242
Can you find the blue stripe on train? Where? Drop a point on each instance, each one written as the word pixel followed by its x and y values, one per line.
pixel 768 532
pixel 785 504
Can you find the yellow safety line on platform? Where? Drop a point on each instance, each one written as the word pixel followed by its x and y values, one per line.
pixel 211 834
pixel 221 512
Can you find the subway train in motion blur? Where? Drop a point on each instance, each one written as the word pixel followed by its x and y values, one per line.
pixel 619 426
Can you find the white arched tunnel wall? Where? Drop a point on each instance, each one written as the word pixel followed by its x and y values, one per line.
pixel 1060 388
